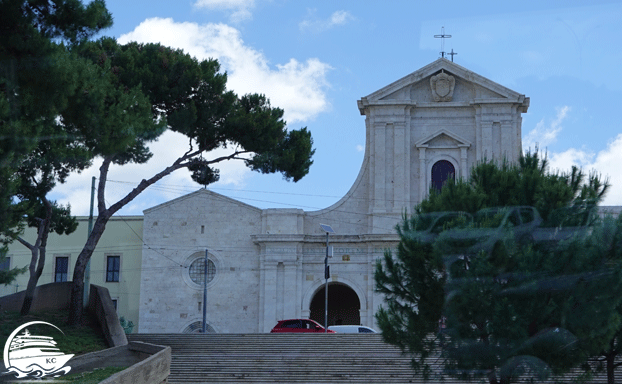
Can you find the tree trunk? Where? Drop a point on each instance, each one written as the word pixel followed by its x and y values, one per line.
pixel 29 296
pixel 77 288
pixel 32 284
pixel 492 377
pixel 38 252
pixel 611 368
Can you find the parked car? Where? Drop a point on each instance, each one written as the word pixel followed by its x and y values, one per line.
pixel 298 326
pixel 351 329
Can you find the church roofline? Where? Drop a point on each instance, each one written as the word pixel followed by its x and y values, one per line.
pixel 430 69
pixel 201 191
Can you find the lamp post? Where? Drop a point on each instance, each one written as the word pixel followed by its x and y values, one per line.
pixel 205 294
pixel 329 253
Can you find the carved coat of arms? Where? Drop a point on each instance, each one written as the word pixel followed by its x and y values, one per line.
pixel 442 87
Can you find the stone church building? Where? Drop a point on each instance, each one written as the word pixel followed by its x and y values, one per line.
pixel 268 264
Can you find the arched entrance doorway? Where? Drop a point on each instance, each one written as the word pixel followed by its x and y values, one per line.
pixel 343 305
pixel 441 172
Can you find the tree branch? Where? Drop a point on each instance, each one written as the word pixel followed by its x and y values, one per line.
pixel 144 184
pixel 101 188
pixel 25 243
pixel 141 187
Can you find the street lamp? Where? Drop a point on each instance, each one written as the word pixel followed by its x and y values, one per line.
pixel 329 253
pixel 204 327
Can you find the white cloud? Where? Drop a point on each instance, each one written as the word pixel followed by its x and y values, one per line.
pixel 318 25
pixel 340 17
pixel 297 87
pixel 543 135
pixel 606 163
pixel 360 148
pixel 240 9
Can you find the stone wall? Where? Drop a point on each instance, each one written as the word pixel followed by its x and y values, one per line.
pixel 148 363
pixel 47 297
pixel 178 233
pixel 100 305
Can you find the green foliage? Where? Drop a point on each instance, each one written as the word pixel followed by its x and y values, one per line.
pixel 79 339
pixel 412 283
pixel 95 376
pixel 491 184
pixel 127 325
pixel 187 96
pixel 38 77
pixel 524 308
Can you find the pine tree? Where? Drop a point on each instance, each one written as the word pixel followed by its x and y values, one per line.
pixel 526 309
pixel 141 90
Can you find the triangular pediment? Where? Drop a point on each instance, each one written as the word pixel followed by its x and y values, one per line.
pixel 459 86
pixel 202 196
pixel 443 139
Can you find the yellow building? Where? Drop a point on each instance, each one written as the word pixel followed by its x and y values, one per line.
pixel 115 264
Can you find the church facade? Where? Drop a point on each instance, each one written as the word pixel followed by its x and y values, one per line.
pixel 265 265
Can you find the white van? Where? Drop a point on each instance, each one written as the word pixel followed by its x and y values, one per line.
pixel 351 329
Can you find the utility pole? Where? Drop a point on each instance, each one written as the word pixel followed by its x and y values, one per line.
pixel 87 270
pixel 329 253
pixel 205 294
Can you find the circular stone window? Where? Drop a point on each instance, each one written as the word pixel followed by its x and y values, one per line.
pixel 197 271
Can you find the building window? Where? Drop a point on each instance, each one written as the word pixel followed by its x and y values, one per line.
pixel 5 263
pixel 114 303
pixel 197 271
pixel 441 172
pixel 60 269
pixel 113 267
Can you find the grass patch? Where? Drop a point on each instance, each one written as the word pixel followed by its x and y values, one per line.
pixel 92 377
pixel 76 339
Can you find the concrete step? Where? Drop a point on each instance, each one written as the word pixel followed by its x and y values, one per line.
pixel 294 358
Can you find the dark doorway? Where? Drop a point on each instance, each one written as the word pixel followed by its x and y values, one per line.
pixel 441 172
pixel 343 305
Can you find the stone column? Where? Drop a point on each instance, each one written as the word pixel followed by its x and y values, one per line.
pixel 463 162
pixel 400 176
pixel 379 170
pixel 487 151
pixel 407 160
pixel 478 133
pixel 507 141
pixel 291 301
pixel 423 174
pixel 269 296
pixel 369 310
pixel 389 167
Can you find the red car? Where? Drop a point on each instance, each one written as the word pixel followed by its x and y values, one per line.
pixel 298 325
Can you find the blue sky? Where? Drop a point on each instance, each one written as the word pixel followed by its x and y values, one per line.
pixel 316 59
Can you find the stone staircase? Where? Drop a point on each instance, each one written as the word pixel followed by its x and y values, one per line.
pixel 294 358
pixel 283 358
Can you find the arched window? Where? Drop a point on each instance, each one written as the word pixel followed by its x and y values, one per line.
pixel 197 327
pixel 442 171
